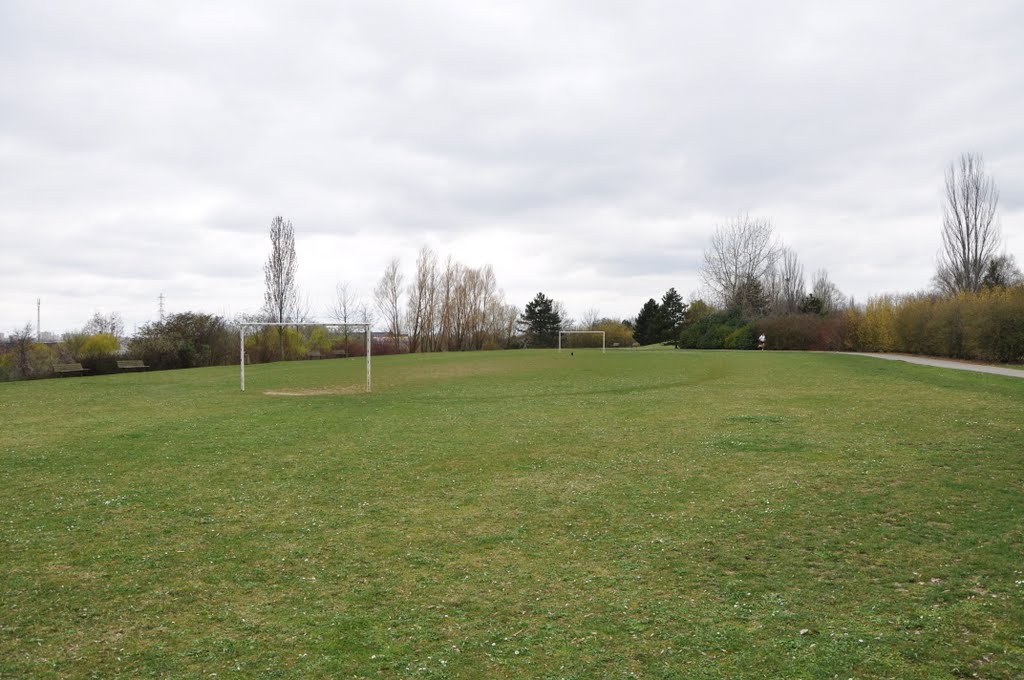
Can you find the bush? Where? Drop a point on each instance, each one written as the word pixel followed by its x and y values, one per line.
pixel 615 332
pixel 877 330
pixel 319 341
pixel 98 353
pixel 807 331
pixel 995 327
pixel 947 329
pixel 914 327
pixel 791 331
pixel 99 344
pixel 354 347
pixel 988 326
pixel 384 345
pixel 744 337
pixel 71 345
pixel 711 331
pixel 157 353
pixel 25 359
pixel 185 340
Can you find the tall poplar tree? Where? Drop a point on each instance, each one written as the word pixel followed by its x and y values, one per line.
pixel 281 294
pixel 970 228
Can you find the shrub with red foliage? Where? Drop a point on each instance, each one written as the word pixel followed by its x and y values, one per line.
pixel 805 331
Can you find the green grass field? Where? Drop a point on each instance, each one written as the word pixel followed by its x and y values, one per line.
pixel 516 514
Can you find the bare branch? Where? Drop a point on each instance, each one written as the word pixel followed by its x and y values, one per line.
pixel 743 250
pixel 788 287
pixel 827 292
pixel 970 232
pixel 590 318
pixel 387 296
pixel 420 314
pixel 280 296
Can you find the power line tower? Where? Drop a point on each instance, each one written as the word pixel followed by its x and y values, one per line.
pixel 161 306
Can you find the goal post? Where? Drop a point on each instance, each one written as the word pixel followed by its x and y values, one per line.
pixel 260 324
pixel 560 333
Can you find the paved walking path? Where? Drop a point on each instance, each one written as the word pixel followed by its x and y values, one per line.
pixel 944 363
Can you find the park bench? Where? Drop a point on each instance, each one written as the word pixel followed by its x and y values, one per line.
pixel 339 354
pixel 313 354
pixel 69 369
pixel 131 365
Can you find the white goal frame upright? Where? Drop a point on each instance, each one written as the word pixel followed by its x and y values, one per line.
pixel 364 326
pixel 571 332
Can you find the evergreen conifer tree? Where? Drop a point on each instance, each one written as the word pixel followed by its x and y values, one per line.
pixel 647 328
pixel 541 322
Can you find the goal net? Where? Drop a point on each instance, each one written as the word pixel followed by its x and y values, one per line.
pixel 570 333
pixel 305 340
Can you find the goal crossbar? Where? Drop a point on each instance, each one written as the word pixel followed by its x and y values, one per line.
pixel 560 333
pixel 364 326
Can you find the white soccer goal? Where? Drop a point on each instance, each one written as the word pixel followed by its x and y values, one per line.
pixel 364 326
pixel 560 333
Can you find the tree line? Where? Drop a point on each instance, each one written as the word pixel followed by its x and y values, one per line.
pixel 184 340
pixel 446 306
pixel 755 285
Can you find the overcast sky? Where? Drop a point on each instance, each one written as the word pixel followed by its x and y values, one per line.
pixel 584 149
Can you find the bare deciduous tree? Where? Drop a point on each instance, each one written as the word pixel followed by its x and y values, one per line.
pixel 449 307
pixel 970 232
pixel 787 283
pixel 482 300
pixel 388 298
pixel 827 292
pixel 503 322
pixel 422 301
pixel 589 319
pixel 446 292
pixel 345 308
pixel 460 303
pixel 568 323
pixel 104 323
pixel 742 251
pixel 281 295
pixel 365 313
pixel 342 309
pixel 301 310
pixel 21 342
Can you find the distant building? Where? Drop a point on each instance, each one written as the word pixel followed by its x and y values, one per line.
pixel 386 339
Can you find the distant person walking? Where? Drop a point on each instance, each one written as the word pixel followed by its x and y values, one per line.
pixel 760 342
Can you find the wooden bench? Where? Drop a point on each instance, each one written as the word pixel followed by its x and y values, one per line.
pixel 313 354
pixel 131 365
pixel 339 354
pixel 69 369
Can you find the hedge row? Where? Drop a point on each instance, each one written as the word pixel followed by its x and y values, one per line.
pixel 985 326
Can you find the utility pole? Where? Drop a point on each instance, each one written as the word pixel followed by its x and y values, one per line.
pixel 39 330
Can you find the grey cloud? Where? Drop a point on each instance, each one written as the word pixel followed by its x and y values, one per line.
pixel 155 144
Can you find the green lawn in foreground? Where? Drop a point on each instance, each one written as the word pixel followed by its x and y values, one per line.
pixel 516 514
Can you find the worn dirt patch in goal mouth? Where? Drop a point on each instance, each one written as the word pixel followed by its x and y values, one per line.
pixel 316 391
